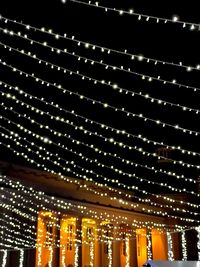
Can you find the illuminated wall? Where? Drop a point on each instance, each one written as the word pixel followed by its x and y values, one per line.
pixel 89 243
pixel 159 245
pixel 46 239
pixel 106 241
pixel 125 236
pixel 67 241
pixel 141 241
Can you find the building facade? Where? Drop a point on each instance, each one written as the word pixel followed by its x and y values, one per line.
pixel 74 227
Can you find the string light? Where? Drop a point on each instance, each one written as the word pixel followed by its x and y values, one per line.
pixel 128 162
pixel 148 200
pixel 163 213
pixel 103 126
pixel 91 247
pixel 127 263
pixel 39 250
pixel 121 110
pixel 170 247
pixel 76 257
pixel 63 255
pixel 184 246
pixel 114 86
pixel 15 236
pixel 21 258
pixel 164 198
pixel 51 256
pixel 95 148
pixel 140 16
pixel 143 179
pixel 40 194
pixel 59 134
pixel 110 253
pixel 5 255
pixel 42 197
pixel 198 241
pixel 101 48
pixel 149 246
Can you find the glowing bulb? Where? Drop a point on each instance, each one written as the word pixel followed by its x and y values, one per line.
pixel 46 140
pixel 175 18
pixel 140 57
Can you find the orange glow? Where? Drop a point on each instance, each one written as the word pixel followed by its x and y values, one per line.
pixel 141 241
pixel 46 237
pixel 159 245
pixel 67 241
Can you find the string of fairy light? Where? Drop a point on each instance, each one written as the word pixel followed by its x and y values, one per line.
pixel 95 148
pixel 106 105
pixel 126 239
pixel 148 210
pixel 155 204
pixel 59 134
pixel 143 209
pixel 101 48
pixel 30 26
pixel 103 165
pixel 84 143
pixel 15 137
pixel 130 147
pixel 103 126
pixel 40 196
pixel 141 17
pixel 107 66
pixel 64 91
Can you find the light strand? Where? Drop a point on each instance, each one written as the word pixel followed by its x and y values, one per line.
pixel 100 164
pixel 4 260
pixel 102 126
pixel 149 246
pixel 96 149
pixel 154 211
pixel 21 258
pixel 106 66
pixel 143 191
pixel 95 81
pixel 43 197
pixel 184 246
pixel 105 105
pixel 184 24
pixel 102 49
pixel 170 247
pixel 198 241
pixel 131 187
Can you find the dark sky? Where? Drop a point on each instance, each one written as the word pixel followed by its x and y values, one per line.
pixel 166 42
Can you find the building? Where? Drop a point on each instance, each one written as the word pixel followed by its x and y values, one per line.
pixel 76 223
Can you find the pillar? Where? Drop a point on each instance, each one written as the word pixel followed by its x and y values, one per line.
pixel 116 248
pixel 133 249
pixel 79 242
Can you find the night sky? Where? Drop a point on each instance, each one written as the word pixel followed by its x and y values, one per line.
pixel 104 135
